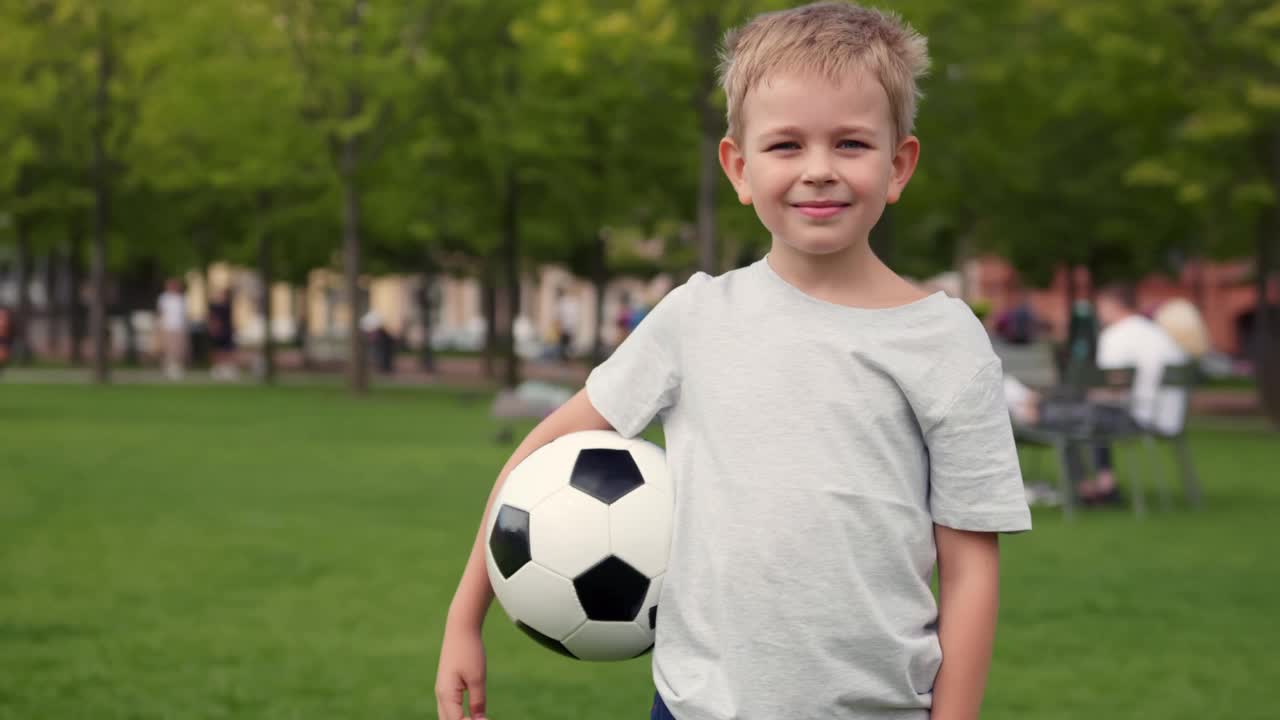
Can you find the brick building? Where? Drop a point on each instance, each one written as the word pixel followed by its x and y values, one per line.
pixel 1224 291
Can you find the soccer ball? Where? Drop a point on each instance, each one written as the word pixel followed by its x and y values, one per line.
pixel 577 542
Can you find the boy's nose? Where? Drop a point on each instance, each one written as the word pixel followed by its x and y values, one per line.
pixel 817 170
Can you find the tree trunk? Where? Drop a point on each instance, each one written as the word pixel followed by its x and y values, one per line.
pixel 53 303
pixel 511 263
pixel 600 281
pixel 75 282
pixel 102 205
pixel 131 357
pixel 1268 357
pixel 358 365
pixel 427 360
pixel 22 280
pixel 706 36
pixel 490 301
pixel 1266 347
pixel 268 355
pixel 304 327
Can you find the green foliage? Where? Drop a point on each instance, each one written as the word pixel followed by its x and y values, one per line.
pixel 1113 135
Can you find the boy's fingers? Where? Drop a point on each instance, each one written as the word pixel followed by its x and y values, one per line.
pixel 475 691
pixel 449 703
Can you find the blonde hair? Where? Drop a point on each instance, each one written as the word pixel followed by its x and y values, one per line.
pixel 831 38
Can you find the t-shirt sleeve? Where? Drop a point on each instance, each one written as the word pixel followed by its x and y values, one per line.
pixel 642 376
pixel 975 482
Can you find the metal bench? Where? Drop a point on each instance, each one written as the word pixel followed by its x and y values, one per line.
pixel 531 400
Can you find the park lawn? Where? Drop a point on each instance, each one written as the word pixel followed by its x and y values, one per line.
pixel 238 552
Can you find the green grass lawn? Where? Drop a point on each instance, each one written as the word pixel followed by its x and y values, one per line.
pixel 238 552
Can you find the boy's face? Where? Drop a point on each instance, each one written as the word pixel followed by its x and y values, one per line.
pixel 818 159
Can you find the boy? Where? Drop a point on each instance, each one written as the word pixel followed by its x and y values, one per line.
pixel 832 432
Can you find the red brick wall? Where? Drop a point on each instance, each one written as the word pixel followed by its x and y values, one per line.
pixel 1223 292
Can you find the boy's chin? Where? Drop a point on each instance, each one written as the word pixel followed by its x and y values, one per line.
pixel 816 245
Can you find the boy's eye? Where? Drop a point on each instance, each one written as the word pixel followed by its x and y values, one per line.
pixel 788 145
pixel 852 145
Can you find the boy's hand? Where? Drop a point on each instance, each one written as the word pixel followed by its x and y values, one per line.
pixel 461 669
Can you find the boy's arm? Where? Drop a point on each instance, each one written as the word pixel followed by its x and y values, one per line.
pixel 968 599
pixel 474 594
pixel 462 664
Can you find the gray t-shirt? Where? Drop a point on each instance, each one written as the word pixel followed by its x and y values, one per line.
pixel 813 447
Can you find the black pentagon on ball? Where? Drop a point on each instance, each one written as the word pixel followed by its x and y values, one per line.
pixel 509 541
pixel 605 474
pixel 546 641
pixel 612 590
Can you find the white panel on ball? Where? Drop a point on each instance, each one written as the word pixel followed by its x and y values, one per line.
pixel 640 527
pixel 569 532
pixel 537 477
pixel 607 439
pixel 542 600
pixel 608 641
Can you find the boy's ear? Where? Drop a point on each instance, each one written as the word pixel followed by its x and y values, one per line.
pixel 734 164
pixel 904 165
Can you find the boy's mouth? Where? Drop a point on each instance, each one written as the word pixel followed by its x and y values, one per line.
pixel 820 208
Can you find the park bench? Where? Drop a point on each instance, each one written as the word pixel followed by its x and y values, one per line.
pixel 1096 422
pixel 531 400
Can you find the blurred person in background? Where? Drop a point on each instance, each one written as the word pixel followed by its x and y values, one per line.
pixel 1129 339
pixel 171 309
pixel 1082 336
pixel 381 343
pixel 222 337
pixel 567 315
pixel 1018 324
pixel 1183 322
pixel 623 319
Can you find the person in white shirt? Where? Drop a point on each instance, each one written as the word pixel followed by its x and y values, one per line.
pixel 172 311
pixel 1130 340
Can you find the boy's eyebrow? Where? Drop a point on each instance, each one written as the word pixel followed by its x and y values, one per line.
pixel 841 130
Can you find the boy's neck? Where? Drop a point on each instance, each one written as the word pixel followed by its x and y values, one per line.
pixel 853 276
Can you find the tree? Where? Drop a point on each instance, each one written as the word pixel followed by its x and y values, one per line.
pixel 1218 161
pixel 357 62
pixel 75 89
pixel 262 165
pixel 44 134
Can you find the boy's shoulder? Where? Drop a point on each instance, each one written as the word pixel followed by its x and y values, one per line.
pixel 701 286
pixel 919 319
pixel 958 340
